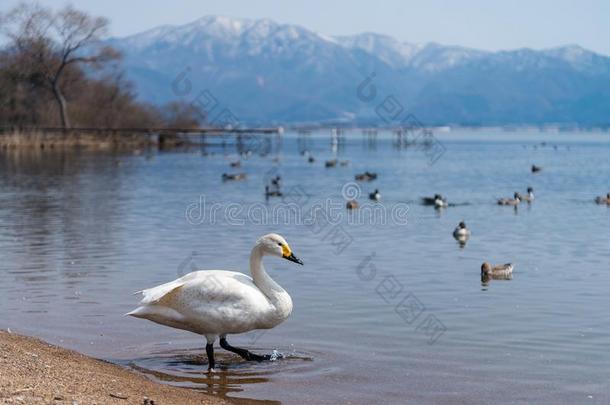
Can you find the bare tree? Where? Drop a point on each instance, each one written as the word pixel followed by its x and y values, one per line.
pixel 51 42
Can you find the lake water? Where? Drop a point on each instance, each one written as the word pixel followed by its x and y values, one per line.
pixel 386 309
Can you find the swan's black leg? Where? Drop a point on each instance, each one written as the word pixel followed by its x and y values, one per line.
pixel 209 350
pixel 245 354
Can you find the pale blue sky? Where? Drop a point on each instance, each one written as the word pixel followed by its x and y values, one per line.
pixel 480 24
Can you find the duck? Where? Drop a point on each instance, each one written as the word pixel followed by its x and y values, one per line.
pixel 331 163
pixel 366 176
pixel 233 177
pixel 498 271
pixel 510 201
pixel 272 193
pixel 276 181
pixel 461 231
pixel 217 303
pixel 440 203
pixel 275 190
pixel 375 195
pixel 530 195
pixel 603 200
pixel 430 200
pixel 351 205
pixel 536 169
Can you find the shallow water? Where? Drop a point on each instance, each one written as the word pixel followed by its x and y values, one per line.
pixel 397 311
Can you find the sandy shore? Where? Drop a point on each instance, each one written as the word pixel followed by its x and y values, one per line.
pixel 34 372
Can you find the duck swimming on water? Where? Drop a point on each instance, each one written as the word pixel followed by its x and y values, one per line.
pixel 366 176
pixel 233 177
pixel 217 303
pixel 275 187
pixel 500 270
pixel 529 197
pixel 351 205
pixel 461 232
pixel 510 201
pixel 272 193
pixel 375 195
pixel 438 201
pixel 603 200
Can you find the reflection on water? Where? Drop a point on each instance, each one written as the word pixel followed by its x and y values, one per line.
pixel 187 368
pixel 486 278
pixel 79 233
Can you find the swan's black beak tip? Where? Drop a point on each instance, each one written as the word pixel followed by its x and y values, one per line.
pixel 294 259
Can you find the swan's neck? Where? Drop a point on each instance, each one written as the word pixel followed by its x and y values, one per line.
pixel 276 295
pixel 262 280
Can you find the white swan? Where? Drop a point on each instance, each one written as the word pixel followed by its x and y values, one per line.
pixel 215 303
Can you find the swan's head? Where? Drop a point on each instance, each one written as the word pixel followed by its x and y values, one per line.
pixel 275 245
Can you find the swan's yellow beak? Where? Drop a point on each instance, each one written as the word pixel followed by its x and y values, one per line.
pixel 288 255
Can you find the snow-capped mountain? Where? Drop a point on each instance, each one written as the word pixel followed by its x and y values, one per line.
pixel 263 71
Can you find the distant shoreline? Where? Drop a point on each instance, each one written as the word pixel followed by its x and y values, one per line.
pixel 104 141
pixel 36 372
pixel 109 140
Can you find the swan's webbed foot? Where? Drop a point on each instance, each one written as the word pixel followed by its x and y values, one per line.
pixel 256 357
pixel 245 354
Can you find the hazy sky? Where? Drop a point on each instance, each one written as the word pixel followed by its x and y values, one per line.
pixel 481 24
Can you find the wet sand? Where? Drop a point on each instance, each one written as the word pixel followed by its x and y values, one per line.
pixel 34 372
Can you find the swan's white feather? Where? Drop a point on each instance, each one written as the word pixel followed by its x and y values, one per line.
pixel 209 302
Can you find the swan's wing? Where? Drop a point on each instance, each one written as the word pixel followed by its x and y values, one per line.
pixel 217 301
pixel 206 287
pixel 154 294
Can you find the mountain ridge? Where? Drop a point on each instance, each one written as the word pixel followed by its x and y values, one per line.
pixel 267 72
